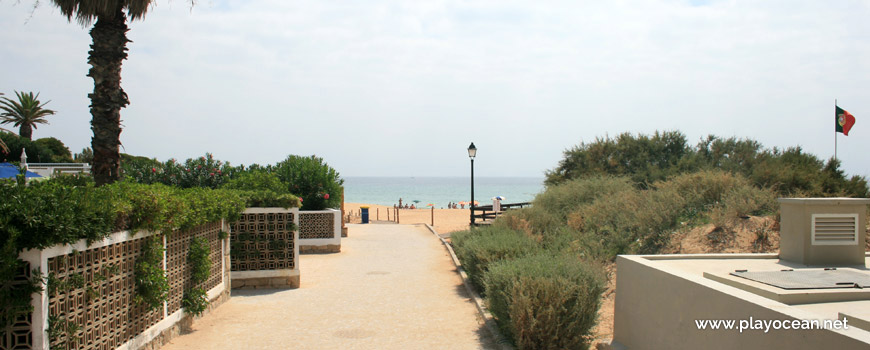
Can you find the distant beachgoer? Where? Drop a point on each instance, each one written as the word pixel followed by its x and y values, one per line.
pixel 413 207
pixel 400 202
pixel 463 205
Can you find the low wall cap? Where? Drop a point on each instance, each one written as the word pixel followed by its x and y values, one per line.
pixel 823 201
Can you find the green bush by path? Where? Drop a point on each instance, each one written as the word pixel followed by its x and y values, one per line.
pixel 261 188
pixel 202 172
pixel 649 159
pixel 645 159
pixel 478 248
pixel 562 198
pixel 626 195
pixel 642 221
pixel 297 181
pixel 610 216
pixel 67 209
pixel 545 301
pixel 310 178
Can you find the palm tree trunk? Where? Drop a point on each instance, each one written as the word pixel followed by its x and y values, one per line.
pixel 25 131
pixel 108 50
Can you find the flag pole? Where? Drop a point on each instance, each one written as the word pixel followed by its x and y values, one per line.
pixel 835 129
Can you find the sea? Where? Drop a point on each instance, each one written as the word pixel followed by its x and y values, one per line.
pixel 439 191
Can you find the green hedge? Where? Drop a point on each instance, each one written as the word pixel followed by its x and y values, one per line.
pixel 297 181
pixel 545 301
pixel 261 188
pixel 478 248
pixel 312 179
pixel 68 209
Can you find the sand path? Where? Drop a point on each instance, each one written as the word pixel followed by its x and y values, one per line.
pixel 391 287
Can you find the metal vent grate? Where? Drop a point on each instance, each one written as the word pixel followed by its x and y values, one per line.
pixel 810 278
pixel 835 229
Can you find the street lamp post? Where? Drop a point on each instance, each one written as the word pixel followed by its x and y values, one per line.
pixel 472 151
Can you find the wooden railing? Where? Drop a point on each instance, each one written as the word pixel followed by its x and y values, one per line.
pixel 488 214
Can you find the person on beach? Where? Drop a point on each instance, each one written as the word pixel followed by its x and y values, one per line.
pixel 400 202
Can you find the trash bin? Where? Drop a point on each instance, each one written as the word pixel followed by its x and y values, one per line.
pixel 364 214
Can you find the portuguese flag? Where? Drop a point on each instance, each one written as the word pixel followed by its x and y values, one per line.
pixel 843 121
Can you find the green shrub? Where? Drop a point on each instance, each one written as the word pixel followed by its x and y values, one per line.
pixel 198 257
pixel 195 301
pixel 645 159
pixel 605 244
pixel 36 152
pixel 743 201
pixel 545 301
pixel 619 211
pixel 67 209
pixel 532 220
pixel 700 190
pixel 256 180
pixel 642 221
pixel 46 213
pixel 15 298
pixel 163 208
pixel 200 172
pixel 561 199
pixel 297 181
pixel 478 248
pixel 261 188
pixel 310 178
pixel 59 152
pixel 649 159
pixel 152 286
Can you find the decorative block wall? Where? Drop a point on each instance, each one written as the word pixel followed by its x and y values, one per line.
pixel 264 248
pixel 320 231
pixel 92 302
pixel 19 335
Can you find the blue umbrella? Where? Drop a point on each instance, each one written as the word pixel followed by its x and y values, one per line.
pixel 10 171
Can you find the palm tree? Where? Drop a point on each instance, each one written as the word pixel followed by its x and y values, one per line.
pixel 24 113
pixel 108 50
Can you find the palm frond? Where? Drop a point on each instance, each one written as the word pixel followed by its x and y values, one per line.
pixel 3 146
pixel 86 11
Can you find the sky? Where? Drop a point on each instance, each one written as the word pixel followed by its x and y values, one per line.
pixel 400 88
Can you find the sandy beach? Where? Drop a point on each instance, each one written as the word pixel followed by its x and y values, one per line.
pixel 446 220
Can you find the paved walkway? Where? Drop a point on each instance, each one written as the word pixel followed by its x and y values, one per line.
pixel 391 287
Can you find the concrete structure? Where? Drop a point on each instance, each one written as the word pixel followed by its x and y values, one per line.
pixel 266 253
pixel 109 319
pixel 672 301
pixel 49 170
pixel 823 231
pixel 320 231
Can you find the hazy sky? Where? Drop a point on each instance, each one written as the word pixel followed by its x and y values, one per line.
pixel 402 87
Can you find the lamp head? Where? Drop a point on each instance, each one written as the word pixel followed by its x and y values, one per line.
pixel 472 151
